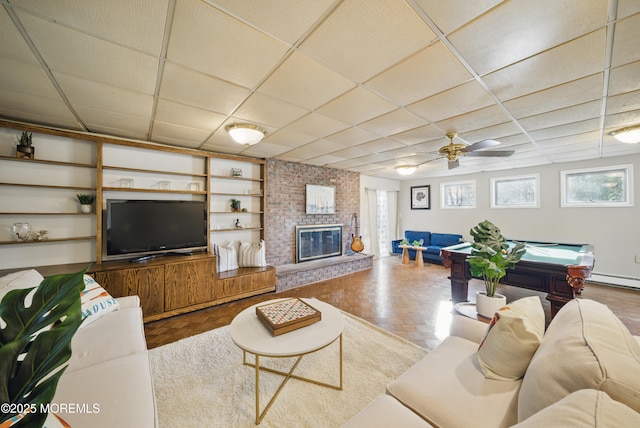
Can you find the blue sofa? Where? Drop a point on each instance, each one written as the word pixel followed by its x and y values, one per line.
pixel 432 241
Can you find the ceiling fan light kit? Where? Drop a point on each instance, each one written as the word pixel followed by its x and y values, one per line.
pixel 406 169
pixel 628 135
pixel 246 133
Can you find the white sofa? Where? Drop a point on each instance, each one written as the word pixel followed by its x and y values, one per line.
pixel 585 372
pixel 108 381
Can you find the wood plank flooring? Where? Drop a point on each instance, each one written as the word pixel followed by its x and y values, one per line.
pixel 411 302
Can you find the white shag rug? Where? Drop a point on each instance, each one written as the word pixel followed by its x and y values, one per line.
pixel 200 381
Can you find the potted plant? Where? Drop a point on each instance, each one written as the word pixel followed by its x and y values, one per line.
pixel 85 200
pixel 491 256
pixel 35 344
pixel 235 205
pixel 24 149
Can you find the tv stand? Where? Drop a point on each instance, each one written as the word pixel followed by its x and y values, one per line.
pixel 154 256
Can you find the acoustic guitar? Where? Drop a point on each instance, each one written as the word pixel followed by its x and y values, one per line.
pixel 356 241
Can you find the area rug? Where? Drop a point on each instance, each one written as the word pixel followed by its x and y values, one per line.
pixel 201 381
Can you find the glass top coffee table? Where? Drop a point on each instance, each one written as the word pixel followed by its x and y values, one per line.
pixel 253 337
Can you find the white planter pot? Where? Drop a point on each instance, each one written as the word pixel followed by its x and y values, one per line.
pixel 85 208
pixel 487 306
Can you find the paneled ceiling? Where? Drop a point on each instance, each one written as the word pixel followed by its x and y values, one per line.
pixel 362 85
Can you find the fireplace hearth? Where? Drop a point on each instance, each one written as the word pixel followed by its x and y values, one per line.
pixel 318 241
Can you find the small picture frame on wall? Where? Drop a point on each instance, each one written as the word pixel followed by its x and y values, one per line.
pixel 421 197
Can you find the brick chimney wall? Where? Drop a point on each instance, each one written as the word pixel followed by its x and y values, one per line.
pixel 286 205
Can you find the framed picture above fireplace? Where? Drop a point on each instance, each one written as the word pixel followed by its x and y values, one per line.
pixel 321 199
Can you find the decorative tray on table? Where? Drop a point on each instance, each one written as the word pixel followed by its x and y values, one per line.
pixel 287 315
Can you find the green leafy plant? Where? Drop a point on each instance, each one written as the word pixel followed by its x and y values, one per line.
pixel 491 255
pixel 25 139
pixel 85 198
pixel 35 343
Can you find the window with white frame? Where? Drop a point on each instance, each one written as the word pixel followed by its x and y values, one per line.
pixel 459 194
pixel 597 187
pixel 516 192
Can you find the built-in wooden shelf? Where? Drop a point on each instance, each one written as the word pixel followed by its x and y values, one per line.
pixel 227 177
pixel 50 162
pixel 155 171
pixel 136 189
pixel 44 241
pixel 48 186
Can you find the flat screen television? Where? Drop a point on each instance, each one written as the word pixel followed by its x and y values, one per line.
pixel 155 227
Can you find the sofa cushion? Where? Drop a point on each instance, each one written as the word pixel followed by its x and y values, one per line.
pixel 96 302
pixel 383 412
pixel 513 337
pixel 585 347
pixel 116 393
pixel 416 235
pixel 449 376
pixel 119 334
pixel 432 250
pixel 226 256
pixel 445 239
pixel 584 408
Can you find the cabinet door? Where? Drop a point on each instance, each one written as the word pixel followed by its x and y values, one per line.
pixel 189 283
pixel 147 283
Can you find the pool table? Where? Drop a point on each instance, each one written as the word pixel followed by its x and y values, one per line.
pixel 558 269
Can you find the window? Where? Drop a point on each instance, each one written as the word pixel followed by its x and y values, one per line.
pixel 515 192
pixel 461 194
pixel 597 187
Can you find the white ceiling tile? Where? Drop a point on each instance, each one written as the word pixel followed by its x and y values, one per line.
pixel 502 132
pixel 453 102
pixel 118 132
pixel 357 106
pixel 285 20
pixel 426 73
pixel 266 150
pixel 517 30
pixel 94 118
pixel 26 78
pixel 565 130
pixel 171 112
pixel 488 116
pixel 418 135
pixel 323 146
pixel 103 97
pixel 567 115
pixel 352 136
pixel 623 119
pixel 259 108
pixel 627 7
pixel 361 38
pixel 570 140
pixel 289 138
pixel 561 96
pixel 305 83
pixel 77 54
pixel 189 87
pixel 381 145
pixel 13 45
pixel 317 125
pixel 194 136
pixel 392 123
pixel 452 14
pixel 626 48
pixel 624 102
pixel 138 25
pixel 324 160
pixel 49 111
pixel 579 58
pixel 624 79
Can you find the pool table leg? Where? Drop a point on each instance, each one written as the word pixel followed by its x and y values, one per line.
pixel 460 276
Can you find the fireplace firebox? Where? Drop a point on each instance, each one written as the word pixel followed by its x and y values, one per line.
pixel 318 242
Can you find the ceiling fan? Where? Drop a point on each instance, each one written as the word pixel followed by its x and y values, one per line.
pixel 453 150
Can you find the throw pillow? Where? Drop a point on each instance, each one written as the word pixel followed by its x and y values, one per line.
pixel 226 256
pixel 19 281
pixel 514 334
pixel 252 255
pixel 96 301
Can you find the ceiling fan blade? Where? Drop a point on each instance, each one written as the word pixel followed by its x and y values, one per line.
pixel 454 164
pixel 480 145
pixel 492 154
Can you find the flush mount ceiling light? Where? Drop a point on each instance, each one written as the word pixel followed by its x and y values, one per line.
pixel 629 135
pixel 246 133
pixel 406 169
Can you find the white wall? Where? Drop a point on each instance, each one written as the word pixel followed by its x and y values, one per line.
pixel 614 232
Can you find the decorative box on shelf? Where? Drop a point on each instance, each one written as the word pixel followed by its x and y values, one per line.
pixel 287 315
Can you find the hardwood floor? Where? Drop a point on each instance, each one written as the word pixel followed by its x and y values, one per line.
pixel 412 302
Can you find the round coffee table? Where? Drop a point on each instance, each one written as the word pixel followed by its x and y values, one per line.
pixel 253 337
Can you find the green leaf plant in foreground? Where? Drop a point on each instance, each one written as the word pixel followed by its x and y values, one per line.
pixel 35 342
pixel 491 255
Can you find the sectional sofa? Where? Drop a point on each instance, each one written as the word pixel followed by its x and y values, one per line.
pixel 108 381
pixel 434 242
pixel 583 371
